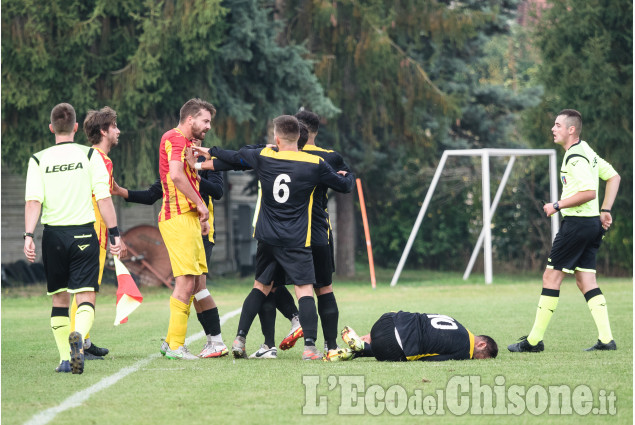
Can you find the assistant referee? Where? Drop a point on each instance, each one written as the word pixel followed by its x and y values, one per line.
pixel 59 184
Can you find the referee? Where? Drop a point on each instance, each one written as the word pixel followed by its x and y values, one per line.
pixel 59 183
pixel 584 224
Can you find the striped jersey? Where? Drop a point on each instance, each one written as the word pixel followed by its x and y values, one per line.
pixel 580 171
pixel 100 225
pixel 432 337
pixel 289 180
pixel 172 148
pixel 63 179
pixel 321 223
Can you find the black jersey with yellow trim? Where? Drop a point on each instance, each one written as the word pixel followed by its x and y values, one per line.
pixel 288 180
pixel 433 337
pixel 321 224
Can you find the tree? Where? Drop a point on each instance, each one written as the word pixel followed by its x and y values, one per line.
pixel 409 79
pixel 145 59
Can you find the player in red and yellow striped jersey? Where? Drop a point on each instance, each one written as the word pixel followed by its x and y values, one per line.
pixel 102 132
pixel 183 218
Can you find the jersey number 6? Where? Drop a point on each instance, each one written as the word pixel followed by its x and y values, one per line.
pixel 280 186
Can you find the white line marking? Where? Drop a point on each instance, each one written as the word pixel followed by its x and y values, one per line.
pixel 78 398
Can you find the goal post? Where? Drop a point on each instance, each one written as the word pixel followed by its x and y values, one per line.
pixel 485 237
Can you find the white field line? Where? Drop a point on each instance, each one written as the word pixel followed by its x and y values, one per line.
pixel 78 398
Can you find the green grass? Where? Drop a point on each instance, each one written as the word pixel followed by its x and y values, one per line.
pixel 272 391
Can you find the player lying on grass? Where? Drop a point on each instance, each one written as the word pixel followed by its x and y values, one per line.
pixel 403 336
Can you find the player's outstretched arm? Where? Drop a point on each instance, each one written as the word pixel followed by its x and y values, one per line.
pixel 339 181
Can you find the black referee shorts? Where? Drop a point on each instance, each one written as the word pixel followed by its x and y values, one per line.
pixel 71 258
pixel 576 245
pixel 296 263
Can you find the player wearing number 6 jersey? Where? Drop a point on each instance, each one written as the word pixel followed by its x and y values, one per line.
pixel 283 226
pixel 404 336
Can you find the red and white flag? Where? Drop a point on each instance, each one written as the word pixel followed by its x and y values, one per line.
pixel 128 295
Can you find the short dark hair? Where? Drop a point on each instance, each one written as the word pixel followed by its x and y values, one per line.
pixel 574 119
pixel 287 127
pixel 63 118
pixel 304 135
pixel 98 120
pixel 310 119
pixel 491 349
pixel 193 107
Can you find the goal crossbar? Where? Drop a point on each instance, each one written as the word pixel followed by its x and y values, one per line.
pixel 485 236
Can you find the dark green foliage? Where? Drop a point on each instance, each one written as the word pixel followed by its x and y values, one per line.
pixel 145 59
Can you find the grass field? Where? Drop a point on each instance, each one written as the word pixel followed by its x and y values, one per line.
pixel 136 386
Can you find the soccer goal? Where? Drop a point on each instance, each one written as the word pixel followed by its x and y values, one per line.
pixel 485 236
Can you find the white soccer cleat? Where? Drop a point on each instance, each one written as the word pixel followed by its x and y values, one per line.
pixel 265 352
pixel 214 349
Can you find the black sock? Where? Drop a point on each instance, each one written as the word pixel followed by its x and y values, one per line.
pixel 285 302
pixel 329 313
pixel 251 307
pixel 267 316
pixel 210 321
pixel 308 319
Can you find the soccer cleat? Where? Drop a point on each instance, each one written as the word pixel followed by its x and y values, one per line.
pixel 311 353
pixel 63 367
pixel 290 340
pixel 88 356
pixel 96 352
pixel 213 349
pixel 600 346
pixel 238 348
pixel 339 355
pixel 77 352
pixel 353 340
pixel 164 347
pixel 265 352
pixel 181 353
pixel 523 346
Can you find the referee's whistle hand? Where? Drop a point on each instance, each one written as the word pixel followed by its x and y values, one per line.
pixel 29 249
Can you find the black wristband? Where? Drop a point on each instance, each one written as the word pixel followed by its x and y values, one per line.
pixel 603 210
pixel 113 231
pixel 29 234
pixel 556 206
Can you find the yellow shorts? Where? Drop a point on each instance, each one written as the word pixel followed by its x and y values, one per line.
pixel 182 238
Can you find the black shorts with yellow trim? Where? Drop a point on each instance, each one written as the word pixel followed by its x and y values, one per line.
pixel 296 264
pixel 71 258
pixel 576 245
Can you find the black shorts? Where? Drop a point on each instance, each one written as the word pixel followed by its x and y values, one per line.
pixel 323 264
pixel 209 246
pixel 71 258
pixel 297 264
pixel 576 245
pixel 383 341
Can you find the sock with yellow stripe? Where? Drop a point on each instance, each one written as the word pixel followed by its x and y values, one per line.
pixel 60 325
pixel 546 306
pixel 597 304
pixel 178 323
pixel 84 318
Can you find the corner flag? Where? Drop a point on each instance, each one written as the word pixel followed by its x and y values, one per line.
pixel 128 295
